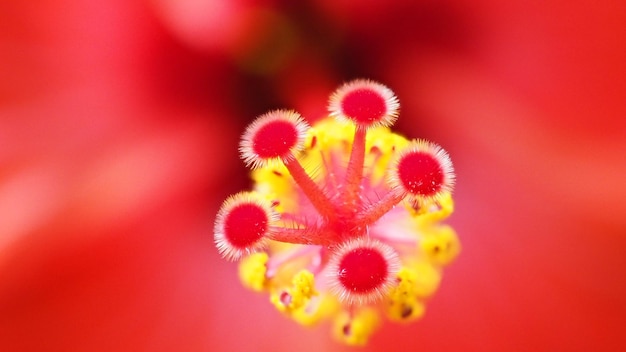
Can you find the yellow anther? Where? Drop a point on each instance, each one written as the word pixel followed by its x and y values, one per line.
pixel 320 307
pixel 426 279
pixel 410 309
pixel 431 211
pixel 304 285
pixel 386 143
pixel 330 134
pixel 275 183
pixel 298 295
pixel 356 330
pixel 252 270
pixel 441 245
pixel 403 301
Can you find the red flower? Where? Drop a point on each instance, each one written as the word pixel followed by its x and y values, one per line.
pixel 119 126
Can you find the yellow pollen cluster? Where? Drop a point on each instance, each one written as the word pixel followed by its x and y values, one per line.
pixel 414 285
pixel 298 295
pixel 441 245
pixel 356 329
pixel 252 270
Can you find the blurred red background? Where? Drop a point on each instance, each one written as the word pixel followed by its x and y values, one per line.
pixel 119 124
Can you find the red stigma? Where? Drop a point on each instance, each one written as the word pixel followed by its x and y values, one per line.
pixel 364 106
pixel 245 225
pixel 421 173
pixel 363 270
pixel 275 139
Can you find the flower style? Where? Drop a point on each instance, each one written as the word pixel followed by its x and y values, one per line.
pixel 344 222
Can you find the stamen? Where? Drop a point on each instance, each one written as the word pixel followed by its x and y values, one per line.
pixel 426 278
pixel 442 246
pixel 298 295
pixel 356 329
pixel 403 303
pixel 433 211
pixel 253 270
pixel 318 308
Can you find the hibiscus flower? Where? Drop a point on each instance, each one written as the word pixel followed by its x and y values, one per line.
pixel 120 124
